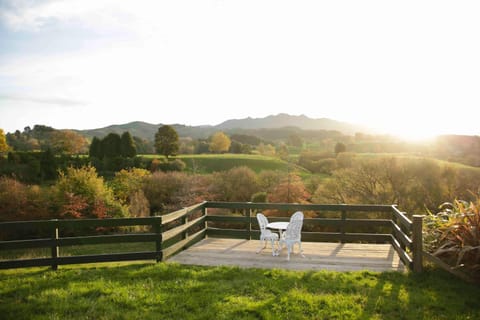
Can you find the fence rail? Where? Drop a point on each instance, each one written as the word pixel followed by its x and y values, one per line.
pixel 178 230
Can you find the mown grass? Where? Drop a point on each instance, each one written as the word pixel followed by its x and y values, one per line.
pixel 172 291
pixel 66 251
pixel 209 163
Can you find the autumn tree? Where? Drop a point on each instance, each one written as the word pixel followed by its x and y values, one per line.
pixel 219 142
pixel 290 190
pixel 80 192
pixel 3 142
pixel 67 141
pixel 166 141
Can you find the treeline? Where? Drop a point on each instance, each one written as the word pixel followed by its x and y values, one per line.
pixel 82 193
pixel 415 185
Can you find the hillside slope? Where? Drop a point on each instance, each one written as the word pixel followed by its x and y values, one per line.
pixel 147 131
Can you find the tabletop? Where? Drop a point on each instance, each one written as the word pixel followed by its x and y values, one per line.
pixel 277 225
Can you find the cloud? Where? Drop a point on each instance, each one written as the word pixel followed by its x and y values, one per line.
pixel 50 100
pixel 39 15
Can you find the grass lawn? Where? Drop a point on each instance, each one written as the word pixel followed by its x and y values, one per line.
pixel 208 163
pixel 172 291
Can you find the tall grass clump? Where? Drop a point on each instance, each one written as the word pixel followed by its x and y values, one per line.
pixel 453 235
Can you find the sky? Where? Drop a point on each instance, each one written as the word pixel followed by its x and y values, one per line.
pixel 410 68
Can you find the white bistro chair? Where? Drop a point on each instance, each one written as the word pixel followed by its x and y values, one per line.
pixel 293 234
pixel 266 234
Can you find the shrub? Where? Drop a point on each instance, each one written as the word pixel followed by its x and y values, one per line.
pixel 128 181
pixel 19 201
pixel 259 197
pixel 237 184
pixel 75 187
pixel 456 235
pixel 166 165
pixel 164 190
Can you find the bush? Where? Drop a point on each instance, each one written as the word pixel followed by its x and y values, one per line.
pixel 165 190
pixel 237 184
pixel 127 182
pixel 453 235
pixel 167 165
pixel 19 201
pixel 259 197
pixel 82 193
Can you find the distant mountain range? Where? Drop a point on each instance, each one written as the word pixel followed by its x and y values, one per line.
pixel 290 123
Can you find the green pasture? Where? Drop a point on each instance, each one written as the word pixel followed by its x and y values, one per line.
pixel 209 163
pixel 173 291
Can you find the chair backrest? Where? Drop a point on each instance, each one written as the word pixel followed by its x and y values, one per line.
pixel 262 221
pixel 294 229
pixel 297 216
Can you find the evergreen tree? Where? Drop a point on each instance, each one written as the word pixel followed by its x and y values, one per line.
pixel 111 145
pixel 127 146
pixel 96 148
pixel 166 141
pixel 48 165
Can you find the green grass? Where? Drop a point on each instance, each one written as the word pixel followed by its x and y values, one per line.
pixel 215 162
pixel 66 251
pixel 172 291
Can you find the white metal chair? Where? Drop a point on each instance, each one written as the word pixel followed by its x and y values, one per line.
pixel 293 234
pixel 266 234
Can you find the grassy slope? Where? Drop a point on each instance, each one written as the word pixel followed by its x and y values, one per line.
pixel 412 156
pixel 171 291
pixel 208 163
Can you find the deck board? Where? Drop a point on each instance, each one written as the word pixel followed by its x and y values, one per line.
pixel 318 256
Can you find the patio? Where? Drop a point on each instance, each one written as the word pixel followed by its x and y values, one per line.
pixel 318 256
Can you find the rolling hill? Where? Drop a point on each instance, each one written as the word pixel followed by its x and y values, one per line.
pixel 290 123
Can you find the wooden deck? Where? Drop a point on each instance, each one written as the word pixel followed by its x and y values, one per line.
pixel 318 256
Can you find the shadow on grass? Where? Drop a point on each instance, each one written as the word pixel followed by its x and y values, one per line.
pixel 171 291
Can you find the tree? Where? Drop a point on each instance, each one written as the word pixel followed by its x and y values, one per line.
pixel 236 184
pixel 95 150
pixel 111 145
pixel 82 193
pixel 290 190
pixel 127 146
pixel 67 141
pixel 3 142
pixel 219 142
pixel 166 141
pixel 340 147
pixel 295 140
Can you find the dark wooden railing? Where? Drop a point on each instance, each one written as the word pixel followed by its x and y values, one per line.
pixel 178 230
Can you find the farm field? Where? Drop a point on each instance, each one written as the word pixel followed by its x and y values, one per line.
pixel 173 291
pixel 209 163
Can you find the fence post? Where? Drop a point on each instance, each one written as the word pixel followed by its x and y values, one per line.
pixel 417 243
pixel 157 225
pixel 342 226
pixel 55 249
pixel 205 213
pixel 248 214
pixel 185 221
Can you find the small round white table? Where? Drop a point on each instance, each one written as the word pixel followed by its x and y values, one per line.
pixel 279 226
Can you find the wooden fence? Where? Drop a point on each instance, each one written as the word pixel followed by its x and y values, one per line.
pixel 178 230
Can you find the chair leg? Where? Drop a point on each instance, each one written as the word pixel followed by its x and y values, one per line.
pixel 301 250
pixel 273 247
pixel 264 245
